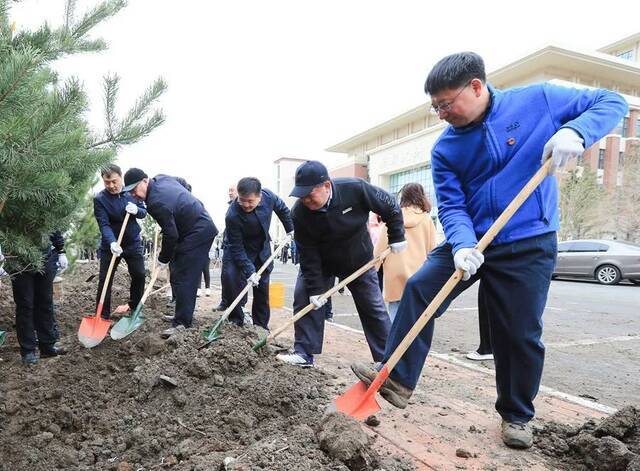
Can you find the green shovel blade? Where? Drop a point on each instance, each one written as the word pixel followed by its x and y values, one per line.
pixel 127 324
pixel 259 344
pixel 213 334
pixel 3 336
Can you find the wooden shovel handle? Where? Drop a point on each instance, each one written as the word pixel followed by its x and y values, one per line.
pixel 245 290
pixel 457 275
pixel 330 293
pixel 111 265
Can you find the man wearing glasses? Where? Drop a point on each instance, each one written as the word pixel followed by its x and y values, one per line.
pixel 496 141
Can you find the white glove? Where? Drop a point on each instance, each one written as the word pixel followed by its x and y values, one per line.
pixel 317 302
pixel 469 261
pixel 116 249
pixel 254 279
pixel 397 247
pixel 563 145
pixel 290 235
pixel 63 263
pixel 131 208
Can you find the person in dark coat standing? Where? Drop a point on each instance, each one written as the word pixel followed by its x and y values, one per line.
pixel 109 208
pixel 248 243
pixel 330 221
pixel 187 234
pixel 33 296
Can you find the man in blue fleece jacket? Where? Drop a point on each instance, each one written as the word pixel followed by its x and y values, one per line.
pixel 495 142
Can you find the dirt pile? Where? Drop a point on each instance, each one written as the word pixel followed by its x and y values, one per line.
pixel 612 444
pixel 144 403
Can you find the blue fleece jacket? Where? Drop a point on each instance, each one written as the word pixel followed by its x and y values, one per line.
pixel 477 170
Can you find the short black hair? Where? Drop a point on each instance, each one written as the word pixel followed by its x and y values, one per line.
pixel 110 169
pixel 455 71
pixel 249 186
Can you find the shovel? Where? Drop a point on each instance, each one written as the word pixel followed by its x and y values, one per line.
pixel 128 324
pixel 359 401
pixel 310 307
pixel 213 334
pixel 93 329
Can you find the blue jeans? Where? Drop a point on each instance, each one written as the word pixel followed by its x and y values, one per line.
pixel 515 282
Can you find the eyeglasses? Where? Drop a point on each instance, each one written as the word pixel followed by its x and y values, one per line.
pixel 445 107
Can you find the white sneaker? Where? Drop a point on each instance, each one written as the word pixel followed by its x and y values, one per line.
pixel 294 359
pixel 207 292
pixel 199 292
pixel 475 356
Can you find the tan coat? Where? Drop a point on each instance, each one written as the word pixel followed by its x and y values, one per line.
pixel 420 234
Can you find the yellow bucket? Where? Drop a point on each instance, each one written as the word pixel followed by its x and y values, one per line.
pixel 276 295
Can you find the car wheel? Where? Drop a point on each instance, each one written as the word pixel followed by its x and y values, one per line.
pixel 608 275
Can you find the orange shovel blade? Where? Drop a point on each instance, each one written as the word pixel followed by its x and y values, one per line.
pixel 93 330
pixel 357 403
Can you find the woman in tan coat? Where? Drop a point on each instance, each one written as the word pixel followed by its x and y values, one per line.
pixel 420 234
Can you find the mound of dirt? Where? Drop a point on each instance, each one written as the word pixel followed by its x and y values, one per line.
pixel 613 444
pixel 144 403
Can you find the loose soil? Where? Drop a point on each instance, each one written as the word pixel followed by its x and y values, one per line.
pixel 613 444
pixel 143 403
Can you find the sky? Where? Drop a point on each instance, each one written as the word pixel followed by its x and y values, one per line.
pixel 251 81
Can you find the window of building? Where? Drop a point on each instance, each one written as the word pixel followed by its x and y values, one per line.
pixel 581 160
pixel 601 159
pixel 638 127
pixel 420 175
pixel 628 55
pixel 618 128
pixel 621 160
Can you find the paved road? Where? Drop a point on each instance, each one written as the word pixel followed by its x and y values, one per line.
pixel 591 333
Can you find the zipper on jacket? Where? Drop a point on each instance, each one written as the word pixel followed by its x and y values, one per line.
pixel 495 159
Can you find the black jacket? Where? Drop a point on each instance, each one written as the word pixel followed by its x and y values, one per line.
pixel 109 212
pixel 242 249
pixel 336 241
pixel 184 221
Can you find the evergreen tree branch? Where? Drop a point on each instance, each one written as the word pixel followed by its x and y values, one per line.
pixel 101 12
pixel 111 86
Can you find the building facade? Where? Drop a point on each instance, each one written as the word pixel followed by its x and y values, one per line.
pixel 398 151
pixel 284 173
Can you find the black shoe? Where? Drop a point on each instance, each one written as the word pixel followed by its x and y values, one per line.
pixel 52 352
pixel 29 359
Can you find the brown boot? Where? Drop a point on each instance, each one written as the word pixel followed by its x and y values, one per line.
pixel 395 393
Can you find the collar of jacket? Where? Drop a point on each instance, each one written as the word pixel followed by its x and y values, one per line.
pixel 495 97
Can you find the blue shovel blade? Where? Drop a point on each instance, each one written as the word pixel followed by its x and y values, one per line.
pixel 126 326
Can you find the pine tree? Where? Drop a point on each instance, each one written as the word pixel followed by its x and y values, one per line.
pixel 49 156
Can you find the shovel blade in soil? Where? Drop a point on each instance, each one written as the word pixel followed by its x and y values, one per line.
pixel 359 402
pixel 126 326
pixel 92 331
pixel 3 337
pixel 259 344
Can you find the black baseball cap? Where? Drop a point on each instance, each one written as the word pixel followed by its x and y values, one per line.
pixel 132 177
pixel 309 175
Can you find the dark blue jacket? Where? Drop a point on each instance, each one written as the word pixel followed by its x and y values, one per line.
pixel 109 212
pixel 184 221
pixel 479 169
pixel 242 250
